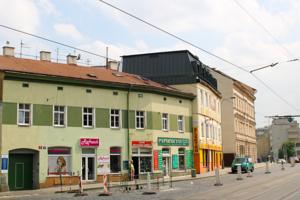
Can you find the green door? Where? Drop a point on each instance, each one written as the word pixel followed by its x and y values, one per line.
pixel 20 171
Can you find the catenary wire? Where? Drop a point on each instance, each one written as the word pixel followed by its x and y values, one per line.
pixel 55 42
pixel 201 49
pixel 288 53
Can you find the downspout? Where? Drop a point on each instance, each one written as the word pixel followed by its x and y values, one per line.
pixel 128 123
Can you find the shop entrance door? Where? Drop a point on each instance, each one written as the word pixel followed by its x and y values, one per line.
pixel 166 166
pixel 88 168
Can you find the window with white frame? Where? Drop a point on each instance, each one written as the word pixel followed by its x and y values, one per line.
pixel 181 158
pixel 59 115
pixel 114 118
pixel 207 130
pixel 202 129
pixel 88 117
pixel 165 122
pixel 140 119
pixel 24 114
pixel 180 124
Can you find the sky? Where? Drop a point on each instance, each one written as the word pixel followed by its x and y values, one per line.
pixel 218 26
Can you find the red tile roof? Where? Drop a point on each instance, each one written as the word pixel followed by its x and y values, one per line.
pixel 101 74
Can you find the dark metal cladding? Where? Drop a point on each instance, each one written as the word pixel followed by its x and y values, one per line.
pixel 169 68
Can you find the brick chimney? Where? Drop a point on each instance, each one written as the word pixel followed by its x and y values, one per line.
pixel 71 59
pixel 8 51
pixel 45 56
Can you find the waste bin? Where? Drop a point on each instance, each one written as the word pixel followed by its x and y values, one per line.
pixel 193 173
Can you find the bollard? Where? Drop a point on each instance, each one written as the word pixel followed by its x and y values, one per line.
pixel 149 188
pixel 80 192
pixel 267 168
pixel 105 187
pixel 171 181
pixel 292 160
pixel 239 176
pixel 282 165
pixel 218 178
pixel 157 182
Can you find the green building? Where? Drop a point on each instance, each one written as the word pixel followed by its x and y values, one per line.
pixel 70 120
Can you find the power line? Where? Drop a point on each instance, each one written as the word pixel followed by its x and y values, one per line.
pixel 55 42
pixel 197 47
pixel 173 35
pixel 264 28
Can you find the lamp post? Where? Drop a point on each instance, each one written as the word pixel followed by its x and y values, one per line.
pixel 221 107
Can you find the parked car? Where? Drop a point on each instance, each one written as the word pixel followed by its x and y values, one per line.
pixel 245 162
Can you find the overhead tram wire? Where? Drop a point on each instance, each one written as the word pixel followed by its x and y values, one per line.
pixel 55 42
pixel 197 47
pixel 288 53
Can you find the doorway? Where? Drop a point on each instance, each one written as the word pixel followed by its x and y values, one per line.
pixel 88 165
pixel 23 169
pixel 166 166
pixel 136 167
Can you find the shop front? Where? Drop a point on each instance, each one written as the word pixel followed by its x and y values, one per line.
pixel 141 157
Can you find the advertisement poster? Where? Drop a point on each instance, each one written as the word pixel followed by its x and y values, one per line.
pixel 103 164
pixel 4 163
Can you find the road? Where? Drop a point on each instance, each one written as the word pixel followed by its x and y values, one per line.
pixel 280 184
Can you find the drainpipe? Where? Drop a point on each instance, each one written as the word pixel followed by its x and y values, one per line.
pixel 128 123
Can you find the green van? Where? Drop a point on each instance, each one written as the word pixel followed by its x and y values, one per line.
pixel 245 162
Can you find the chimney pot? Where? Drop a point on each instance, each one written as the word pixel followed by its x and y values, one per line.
pixel 8 51
pixel 114 65
pixel 45 56
pixel 71 59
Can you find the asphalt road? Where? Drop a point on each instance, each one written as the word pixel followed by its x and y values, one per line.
pixel 280 184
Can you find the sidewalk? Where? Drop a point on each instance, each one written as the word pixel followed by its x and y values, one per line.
pixel 94 186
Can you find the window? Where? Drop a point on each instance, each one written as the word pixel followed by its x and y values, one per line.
pixel 115 159
pixel 59 160
pixel 114 118
pixel 140 119
pixel 180 123
pixel 202 129
pixel 88 117
pixel 181 158
pixel 24 114
pixel 142 159
pixel 207 130
pixel 59 116
pixel 165 122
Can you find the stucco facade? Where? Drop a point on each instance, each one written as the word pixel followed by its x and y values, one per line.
pixel 238 118
pixel 89 150
pixel 207 135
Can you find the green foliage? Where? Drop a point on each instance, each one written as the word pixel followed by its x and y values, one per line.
pixel 280 154
pixel 288 149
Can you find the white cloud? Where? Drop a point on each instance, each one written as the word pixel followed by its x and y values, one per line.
pixel 48 7
pixel 68 30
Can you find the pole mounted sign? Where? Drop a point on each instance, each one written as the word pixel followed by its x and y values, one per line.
pixel 162 141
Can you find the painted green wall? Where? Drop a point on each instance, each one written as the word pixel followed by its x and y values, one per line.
pixel 9 113
pixel 42 115
pixel 102 118
pixel 74 116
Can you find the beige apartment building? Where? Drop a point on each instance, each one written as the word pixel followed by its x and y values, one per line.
pixel 238 117
pixel 263 144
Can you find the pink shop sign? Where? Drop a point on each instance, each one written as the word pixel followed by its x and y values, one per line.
pixel 89 142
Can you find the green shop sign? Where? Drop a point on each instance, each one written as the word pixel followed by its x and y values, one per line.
pixel 162 141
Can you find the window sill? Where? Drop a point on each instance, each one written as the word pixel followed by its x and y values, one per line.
pixel 59 126
pixel 24 125
pixel 88 127
pixel 115 128
pixel 140 128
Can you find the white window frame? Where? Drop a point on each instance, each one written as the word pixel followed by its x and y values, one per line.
pixel 30 115
pixel 180 121
pixel 93 116
pixel 59 112
pixel 136 118
pixel 162 121
pixel 180 154
pixel 115 115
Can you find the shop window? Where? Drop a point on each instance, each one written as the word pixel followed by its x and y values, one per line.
pixel 181 158
pixel 24 114
pixel 114 118
pixel 140 119
pixel 88 116
pixel 143 159
pixel 59 160
pixel 115 159
pixel 59 115
pixel 165 122
pixel 180 123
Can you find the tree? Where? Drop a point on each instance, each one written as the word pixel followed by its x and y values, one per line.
pixel 288 149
